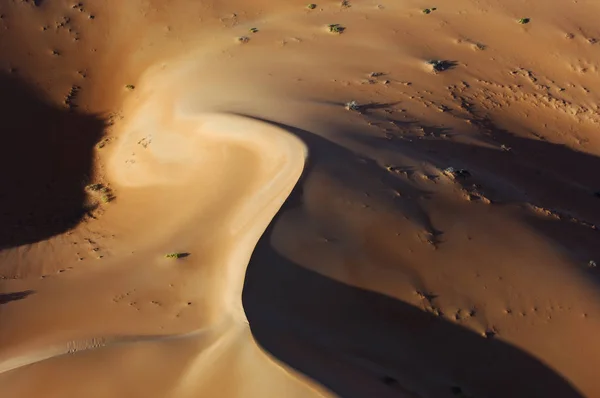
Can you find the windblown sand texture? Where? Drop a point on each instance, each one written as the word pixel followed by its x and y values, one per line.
pixel 438 237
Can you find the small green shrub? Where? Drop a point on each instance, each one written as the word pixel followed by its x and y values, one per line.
pixel 176 255
pixel 440 65
pixel 352 106
pixel 94 187
pixel 106 198
pixel 336 28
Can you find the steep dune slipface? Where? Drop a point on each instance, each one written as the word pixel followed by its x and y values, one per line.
pixel 442 240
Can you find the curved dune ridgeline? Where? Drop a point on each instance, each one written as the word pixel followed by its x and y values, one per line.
pixel 355 199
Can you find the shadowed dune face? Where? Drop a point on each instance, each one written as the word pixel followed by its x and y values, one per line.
pixel 383 345
pixel 45 163
pixel 386 346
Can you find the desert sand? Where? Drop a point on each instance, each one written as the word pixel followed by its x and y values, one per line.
pixel 278 199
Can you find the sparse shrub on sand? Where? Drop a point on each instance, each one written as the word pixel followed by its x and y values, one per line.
pixel 456 173
pixel 345 3
pixel 94 187
pixel 130 87
pixel 429 10
pixel 489 333
pixel 243 39
pixel 102 143
pixel 104 192
pixel 440 65
pixel 176 255
pixel 524 21
pixel 352 106
pixel 336 28
pixel 311 6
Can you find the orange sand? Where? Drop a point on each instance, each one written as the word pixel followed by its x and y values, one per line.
pixel 328 252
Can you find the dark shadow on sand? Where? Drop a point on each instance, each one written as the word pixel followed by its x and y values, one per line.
pixel 45 163
pixel 359 343
pixel 6 298
pixel 362 344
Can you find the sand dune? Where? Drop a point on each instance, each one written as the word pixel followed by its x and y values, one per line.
pixel 258 162
pixel 437 237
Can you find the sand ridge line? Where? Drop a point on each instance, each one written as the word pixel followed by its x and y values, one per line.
pixel 246 224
